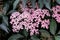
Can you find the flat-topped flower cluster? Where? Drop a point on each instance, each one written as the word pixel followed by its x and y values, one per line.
pixel 30 19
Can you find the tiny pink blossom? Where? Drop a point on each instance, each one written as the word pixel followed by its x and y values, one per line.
pixel 45 23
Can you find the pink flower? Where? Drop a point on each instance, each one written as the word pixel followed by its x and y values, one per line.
pixel 45 12
pixel 45 23
pixel 32 31
pixel 29 19
pixel 56 13
pixel 14 15
pixel 58 19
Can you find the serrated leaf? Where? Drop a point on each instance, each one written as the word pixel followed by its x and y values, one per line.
pixel 47 3
pixel 58 1
pixel 15 37
pixel 34 38
pixel 15 3
pixel 57 37
pixel 4 27
pixel 53 26
pixel 44 33
pixel 41 3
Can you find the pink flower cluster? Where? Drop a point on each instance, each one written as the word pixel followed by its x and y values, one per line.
pixel 29 19
pixel 56 13
pixel 45 23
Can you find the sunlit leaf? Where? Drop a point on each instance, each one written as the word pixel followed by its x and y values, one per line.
pixel 15 37
pixel 53 26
